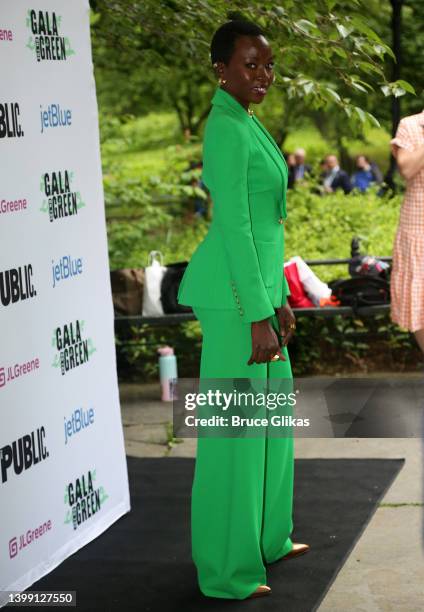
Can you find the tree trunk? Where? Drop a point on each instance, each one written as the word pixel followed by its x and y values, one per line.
pixel 396 24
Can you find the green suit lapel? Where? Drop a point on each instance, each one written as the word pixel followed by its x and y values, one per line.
pixel 223 98
pixel 272 148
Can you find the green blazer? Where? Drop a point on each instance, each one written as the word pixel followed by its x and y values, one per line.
pixel 239 264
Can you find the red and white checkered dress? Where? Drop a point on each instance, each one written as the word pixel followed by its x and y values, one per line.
pixel 407 278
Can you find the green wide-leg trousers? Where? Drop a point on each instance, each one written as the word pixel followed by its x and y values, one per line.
pixel 242 493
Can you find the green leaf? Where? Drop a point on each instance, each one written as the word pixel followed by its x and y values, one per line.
pixel 343 31
pixel 358 86
pixel 373 119
pixel 368 67
pixel 305 25
pixel 340 52
pixel 406 86
pixel 333 93
pixel 362 27
pixel 308 87
pixel 361 113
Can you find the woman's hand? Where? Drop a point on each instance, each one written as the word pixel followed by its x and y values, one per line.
pixel 287 322
pixel 265 343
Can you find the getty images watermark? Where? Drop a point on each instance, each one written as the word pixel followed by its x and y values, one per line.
pixel 315 407
pixel 236 408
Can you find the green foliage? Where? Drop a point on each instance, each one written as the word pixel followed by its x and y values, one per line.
pixel 321 227
pixel 156 55
pixel 345 344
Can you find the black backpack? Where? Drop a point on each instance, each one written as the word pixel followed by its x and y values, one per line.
pixel 361 291
pixel 169 288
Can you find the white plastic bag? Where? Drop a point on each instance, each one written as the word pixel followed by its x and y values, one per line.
pixel 314 287
pixel 153 275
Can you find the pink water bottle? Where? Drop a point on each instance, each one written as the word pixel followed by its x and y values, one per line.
pixel 167 372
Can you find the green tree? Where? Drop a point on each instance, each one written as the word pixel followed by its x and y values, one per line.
pixel 158 52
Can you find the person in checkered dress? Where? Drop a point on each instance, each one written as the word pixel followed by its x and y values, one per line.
pixel 407 278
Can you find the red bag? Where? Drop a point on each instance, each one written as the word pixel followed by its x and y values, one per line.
pixel 297 297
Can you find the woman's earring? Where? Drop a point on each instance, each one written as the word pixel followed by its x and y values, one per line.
pixel 222 81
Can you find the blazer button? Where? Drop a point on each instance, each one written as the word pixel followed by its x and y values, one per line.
pixel 281 220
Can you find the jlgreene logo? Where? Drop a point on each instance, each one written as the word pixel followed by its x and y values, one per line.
pixel 83 499
pixel 54 116
pixel 22 454
pixel 6 35
pixel 17 370
pixel 25 539
pixel 16 285
pixel 73 349
pixel 45 40
pixel 10 125
pixel 61 197
pixel 66 268
pixel 11 206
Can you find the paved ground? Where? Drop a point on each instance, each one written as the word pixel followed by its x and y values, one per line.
pixel 385 571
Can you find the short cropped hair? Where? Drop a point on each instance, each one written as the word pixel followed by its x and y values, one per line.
pixel 223 41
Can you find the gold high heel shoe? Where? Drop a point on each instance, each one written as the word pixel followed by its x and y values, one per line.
pixel 298 549
pixel 262 589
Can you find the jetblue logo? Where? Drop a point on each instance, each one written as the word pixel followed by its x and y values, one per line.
pixel 79 420
pixel 54 116
pixel 66 268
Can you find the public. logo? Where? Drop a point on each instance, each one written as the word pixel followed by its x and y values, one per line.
pixel 10 125
pixel 53 116
pixel 17 370
pixel 23 453
pixel 46 39
pixel 73 350
pixel 80 419
pixel 17 544
pixel 83 499
pixel 65 268
pixel 16 285
pixel 61 199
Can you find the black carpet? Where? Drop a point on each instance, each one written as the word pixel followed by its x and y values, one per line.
pixel 143 562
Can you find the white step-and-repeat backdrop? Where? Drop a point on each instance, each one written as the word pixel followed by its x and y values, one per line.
pixel 63 472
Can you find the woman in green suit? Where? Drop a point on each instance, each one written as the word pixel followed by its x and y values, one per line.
pixel 241 512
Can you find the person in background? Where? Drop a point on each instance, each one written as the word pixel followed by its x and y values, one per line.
pixel 300 169
pixel 367 172
pixel 200 204
pixel 291 164
pixel 334 177
pixel 407 276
